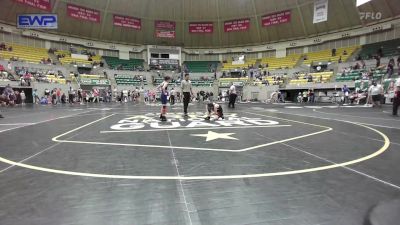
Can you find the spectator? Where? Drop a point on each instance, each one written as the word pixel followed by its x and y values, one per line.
pixel 390 68
pixel 58 95
pixel 10 49
pixel 9 66
pixel 35 96
pixel 396 99
pixel 344 52
pixel 44 101
pixel 398 63
pixel 376 91
pixel 70 95
pixel 378 61
pixel 333 51
pixel 340 59
pixel 300 97
pixel 346 92
pixel 2 46
pixel 380 52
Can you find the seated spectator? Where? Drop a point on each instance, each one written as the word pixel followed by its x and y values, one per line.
pixel 344 52
pixel 2 68
pixel 44 101
pixel 2 46
pixel 357 66
pixel 340 59
pixel 10 49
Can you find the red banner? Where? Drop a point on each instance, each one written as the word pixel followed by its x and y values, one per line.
pixel 165 34
pixel 201 28
pixel 165 29
pixel 40 4
pixel 237 25
pixel 127 21
pixel 276 18
pixel 82 13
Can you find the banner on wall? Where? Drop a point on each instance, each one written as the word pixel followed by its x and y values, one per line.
pixel 201 28
pixel 276 18
pixel 237 25
pixel 320 11
pixel 127 21
pixel 88 81
pixel 83 13
pixel 165 29
pixel 39 4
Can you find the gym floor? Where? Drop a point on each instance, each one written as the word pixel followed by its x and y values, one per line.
pixel 281 164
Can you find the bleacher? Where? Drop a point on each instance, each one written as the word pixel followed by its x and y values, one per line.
pixel 389 49
pixel 201 66
pixel 114 63
pixel 357 75
pixel 322 77
pixel 130 80
pixel 272 81
pixel 281 63
pixel 55 79
pixel 25 53
pixel 67 59
pixel 229 66
pixel 326 55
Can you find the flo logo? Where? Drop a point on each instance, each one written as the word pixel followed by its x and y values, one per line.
pixel 195 120
pixel 370 15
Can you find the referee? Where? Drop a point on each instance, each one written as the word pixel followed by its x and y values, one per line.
pixel 186 87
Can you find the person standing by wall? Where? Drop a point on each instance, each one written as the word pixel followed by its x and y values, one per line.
pixel 186 88
pixel 35 96
pixel 232 96
pixel 396 99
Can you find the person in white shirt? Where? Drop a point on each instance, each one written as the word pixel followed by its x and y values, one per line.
pixel 376 91
pixel 186 88
pixel 232 96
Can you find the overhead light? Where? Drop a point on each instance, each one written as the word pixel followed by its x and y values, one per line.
pixel 361 2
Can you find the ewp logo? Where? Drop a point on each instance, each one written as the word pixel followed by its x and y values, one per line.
pixel 37 21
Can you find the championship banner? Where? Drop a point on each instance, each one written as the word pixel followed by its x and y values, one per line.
pixel 94 82
pixel 201 28
pixel 127 21
pixel 276 18
pixel 320 11
pixel 39 4
pixel 237 25
pixel 165 29
pixel 82 13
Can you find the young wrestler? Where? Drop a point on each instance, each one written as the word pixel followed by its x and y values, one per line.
pixel 164 97
pixel 215 110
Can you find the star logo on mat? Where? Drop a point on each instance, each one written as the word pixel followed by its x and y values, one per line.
pixel 210 136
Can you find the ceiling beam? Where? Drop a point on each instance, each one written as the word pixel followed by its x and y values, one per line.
pixel 257 22
pixel 301 18
pixel 55 7
pixel 103 22
pixel 392 14
pixel 218 24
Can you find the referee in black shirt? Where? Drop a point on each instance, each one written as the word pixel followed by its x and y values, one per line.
pixel 186 87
